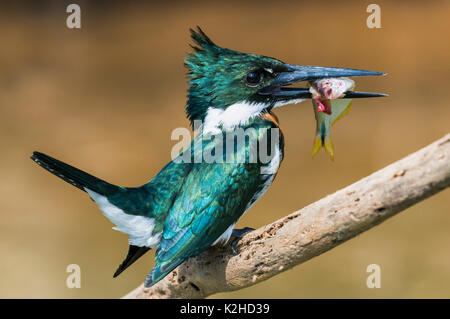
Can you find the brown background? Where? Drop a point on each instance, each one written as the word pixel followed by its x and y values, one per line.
pixel 106 98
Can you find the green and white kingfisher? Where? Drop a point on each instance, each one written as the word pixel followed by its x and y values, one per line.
pixel 190 206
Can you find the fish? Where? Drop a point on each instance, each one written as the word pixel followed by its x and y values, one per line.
pixel 329 107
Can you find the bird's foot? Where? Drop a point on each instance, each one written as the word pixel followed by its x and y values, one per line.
pixel 239 233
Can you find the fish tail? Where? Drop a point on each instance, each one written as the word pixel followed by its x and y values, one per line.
pixel 328 145
pixel 317 145
pixel 325 142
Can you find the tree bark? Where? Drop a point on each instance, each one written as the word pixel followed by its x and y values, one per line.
pixel 311 231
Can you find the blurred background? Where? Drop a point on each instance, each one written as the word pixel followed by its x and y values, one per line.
pixel 106 98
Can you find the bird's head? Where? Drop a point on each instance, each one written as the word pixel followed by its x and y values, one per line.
pixel 229 87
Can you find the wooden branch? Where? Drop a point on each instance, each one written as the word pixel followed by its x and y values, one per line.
pixel 312 230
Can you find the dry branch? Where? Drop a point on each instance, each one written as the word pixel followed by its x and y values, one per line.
pixel 312 230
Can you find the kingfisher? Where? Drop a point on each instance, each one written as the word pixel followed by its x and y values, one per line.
pixel 194 203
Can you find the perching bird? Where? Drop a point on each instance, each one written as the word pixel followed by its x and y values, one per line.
pixel 191 205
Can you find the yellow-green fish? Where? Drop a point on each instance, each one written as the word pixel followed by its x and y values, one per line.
pixel 329 108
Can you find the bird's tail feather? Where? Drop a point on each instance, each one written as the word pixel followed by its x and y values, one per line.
pixel 134 253
pixel 73 175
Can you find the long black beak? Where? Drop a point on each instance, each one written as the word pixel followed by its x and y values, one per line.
pixel 298 73
pixel 297 93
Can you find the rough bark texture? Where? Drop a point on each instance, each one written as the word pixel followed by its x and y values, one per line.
pixel 312 230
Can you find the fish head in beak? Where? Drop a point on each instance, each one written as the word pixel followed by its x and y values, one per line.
pixel 323 82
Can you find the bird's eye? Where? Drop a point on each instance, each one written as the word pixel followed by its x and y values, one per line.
pixel 254 78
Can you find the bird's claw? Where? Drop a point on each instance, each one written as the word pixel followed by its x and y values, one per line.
pixel 239 233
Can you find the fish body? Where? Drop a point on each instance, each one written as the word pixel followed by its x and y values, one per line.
pixel 328 108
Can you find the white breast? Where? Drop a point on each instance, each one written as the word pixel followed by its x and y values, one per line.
pixel 233 116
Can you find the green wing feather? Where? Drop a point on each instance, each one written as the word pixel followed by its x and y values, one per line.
pixel 212 198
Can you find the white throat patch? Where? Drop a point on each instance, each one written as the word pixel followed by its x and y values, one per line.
pixel 235 115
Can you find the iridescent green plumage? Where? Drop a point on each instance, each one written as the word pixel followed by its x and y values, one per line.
pixel 192 204
pixel 213 196
pixel 216 76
